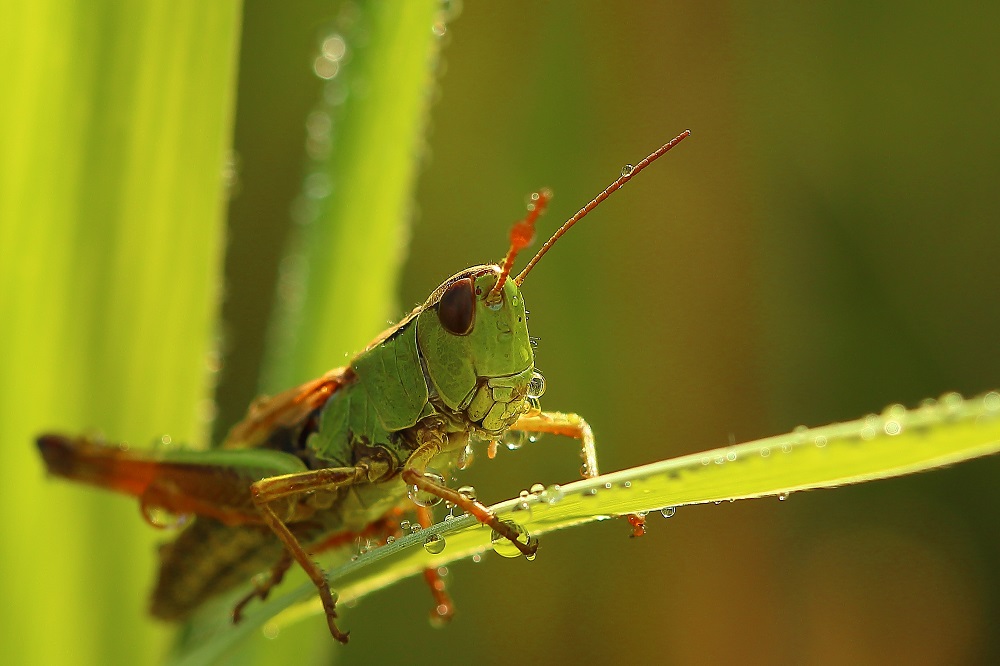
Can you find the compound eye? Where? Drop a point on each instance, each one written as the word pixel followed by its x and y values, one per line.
pixel 457 307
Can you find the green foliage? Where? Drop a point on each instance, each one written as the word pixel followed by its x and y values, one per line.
pixel 115 130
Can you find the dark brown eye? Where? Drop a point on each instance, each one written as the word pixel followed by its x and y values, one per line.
pixel 457 307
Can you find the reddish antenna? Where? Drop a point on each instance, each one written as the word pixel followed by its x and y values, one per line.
pixel 627 173
pixel 522 234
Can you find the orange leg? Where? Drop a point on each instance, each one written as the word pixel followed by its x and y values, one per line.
pixel 413 475
pixel 267 491
pixel 572 425
pixel 444 609
pixel 381 530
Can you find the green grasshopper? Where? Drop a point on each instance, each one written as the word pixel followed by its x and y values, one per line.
pixel 342 456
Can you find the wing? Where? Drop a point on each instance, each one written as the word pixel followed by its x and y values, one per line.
pixel 286 410
pixel 205 483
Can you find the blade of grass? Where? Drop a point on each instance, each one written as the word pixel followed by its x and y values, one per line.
pixel 895 443
pixel 339 280
pixel 115 127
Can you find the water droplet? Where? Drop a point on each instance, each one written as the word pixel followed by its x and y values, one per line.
pixel 765 452
pixel 334 47
pixel 892 428
pixel 991 401
pixel 522 510
pixel 523 494
pixel 783 496
pixel 325 68
pixel 424 498
pixel 536 387
pixel 502 545
pixel 270 630
pixel 536 488
pixel 627 170
pixel 440 616
pixel 515 439
pixel 434 544
pixel 404 525
pixel 870 427
pixel 468 492
pixel 465 458
pixel 951 404
pixel 390 539
pixel 731 456
pixel 477 558
pixel 552 494
pixel 668 511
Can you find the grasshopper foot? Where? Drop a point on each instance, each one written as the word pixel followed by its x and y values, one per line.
pixel 638 524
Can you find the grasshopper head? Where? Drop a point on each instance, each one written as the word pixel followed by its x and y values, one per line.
pixel 469 340
pixel 473 333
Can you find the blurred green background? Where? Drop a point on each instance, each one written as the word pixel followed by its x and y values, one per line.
pixel 821 247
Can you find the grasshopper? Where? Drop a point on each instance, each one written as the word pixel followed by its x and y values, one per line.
pixel 344 455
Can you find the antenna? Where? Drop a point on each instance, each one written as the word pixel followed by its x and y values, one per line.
pixel 627 173
pixel 522 234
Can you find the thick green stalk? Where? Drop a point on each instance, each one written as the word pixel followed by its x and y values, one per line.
pixel 115 128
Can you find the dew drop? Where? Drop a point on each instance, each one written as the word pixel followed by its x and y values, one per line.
pixel 334 47
pixel 424 498
pixel 468 492
pixel 627 170
pixel 782 497
pixel 536 387
pixel 991 401
pixel 440 616
pixel 536 488
pixel 514 439
pixel 434 544
pixel 503 547
pixel 765 452
pixel 668 511
pixel 522 511
pixel 551 495
pixel 465 458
